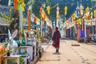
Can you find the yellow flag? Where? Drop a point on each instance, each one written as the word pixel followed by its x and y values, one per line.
pixel 37 21
pixel 65 10
pixel 87 13
pixel 48 10
pixel 23 6
pixel 21 1
pixel 73 17
pixel 87 9
pixel 57 13
pixel 42 15
pixel 95 13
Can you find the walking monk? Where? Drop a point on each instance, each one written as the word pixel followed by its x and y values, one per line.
pixel 56 39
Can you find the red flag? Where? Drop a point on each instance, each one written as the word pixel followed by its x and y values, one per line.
pixel 35 19
pixel 40 10
pixel 15 4
pixel 29 21
pixel 44 17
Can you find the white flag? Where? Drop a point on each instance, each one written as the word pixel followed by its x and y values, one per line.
pixel 14 34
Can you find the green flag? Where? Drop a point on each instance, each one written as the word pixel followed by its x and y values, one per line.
pixel 18 7
pixel 23 39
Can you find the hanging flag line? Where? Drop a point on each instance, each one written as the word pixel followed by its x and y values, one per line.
pixel 80 15
pixel 45 17
pixel 35 19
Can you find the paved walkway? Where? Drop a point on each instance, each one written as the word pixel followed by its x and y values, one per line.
pixel 83 54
